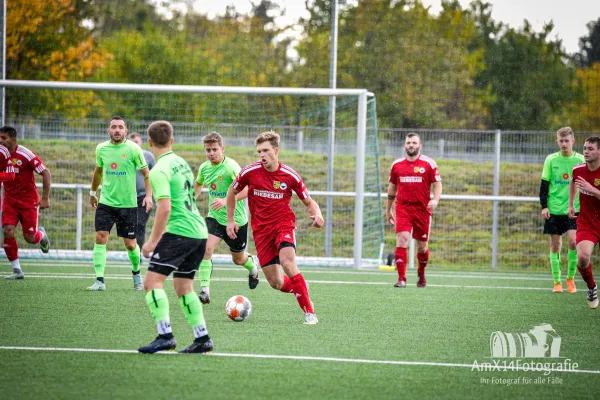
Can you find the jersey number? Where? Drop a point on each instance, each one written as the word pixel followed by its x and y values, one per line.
pixel 190 200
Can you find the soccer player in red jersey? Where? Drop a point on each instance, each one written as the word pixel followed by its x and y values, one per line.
pixel 270 186
pixel 7 172
pixel 586 180
pixel 22 201
pixel 411 180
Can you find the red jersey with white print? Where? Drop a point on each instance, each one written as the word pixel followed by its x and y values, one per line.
pixel 589 205
pixel 413 180
pixel 7 171
pixel 270 193
pixel 22 192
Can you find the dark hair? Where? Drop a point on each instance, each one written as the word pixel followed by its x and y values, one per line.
pixel 413 134
pixel 12 132
pixel 133 135
pixel 118 118
pixel 594 139
pixel 160 133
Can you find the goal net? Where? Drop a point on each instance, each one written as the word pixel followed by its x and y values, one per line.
pixel 63 122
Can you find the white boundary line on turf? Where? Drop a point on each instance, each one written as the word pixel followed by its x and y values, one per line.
pixel 34 275
pixel 303 358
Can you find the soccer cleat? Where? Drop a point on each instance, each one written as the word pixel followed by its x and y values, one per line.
pixel 592 297
pixel 401 283
pixel 571 285
pixel 45 242
pixel 310 319
pixel 15 276
pixel 199 348
pixel 557 288
pixel 204 296
pixel 422 282
pixel 253 278
pixel 137 282
pixel 98 286
pixel 159 344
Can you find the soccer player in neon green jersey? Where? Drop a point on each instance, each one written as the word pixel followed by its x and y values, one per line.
pixel 116 163
pixel 218 172
pixel 554 199
pixel 179 249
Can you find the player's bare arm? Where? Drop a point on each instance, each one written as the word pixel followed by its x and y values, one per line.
pixel 96 181
pixel 163 211
pixel 389 215
pixel 148 202
pixel 314 212
pixel 437 193
pixel 45 200
pixel 572 193
pixel 232 227
pixel 197 189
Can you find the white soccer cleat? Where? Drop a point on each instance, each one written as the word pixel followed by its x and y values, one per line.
pixel 310 319
pixel 137 282
pixel 592 297
pixel 98 286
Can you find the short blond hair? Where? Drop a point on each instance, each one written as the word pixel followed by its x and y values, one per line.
pixel 268 136
pixel 565 131
pixel 213 137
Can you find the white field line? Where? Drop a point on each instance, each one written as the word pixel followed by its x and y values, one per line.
pixel 303 358
pixel 438 274
pixel 58 275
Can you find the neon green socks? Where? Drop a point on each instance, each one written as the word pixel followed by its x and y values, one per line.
pixel 192 309
pixel 99 258
pixel 204 272
pixel 134 257
pixel 158 303
pixel 555 265
pixel 249 265
pixel 572 262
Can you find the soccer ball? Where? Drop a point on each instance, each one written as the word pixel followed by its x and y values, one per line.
pixel 238 308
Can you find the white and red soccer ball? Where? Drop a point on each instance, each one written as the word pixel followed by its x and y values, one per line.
pixel 238 308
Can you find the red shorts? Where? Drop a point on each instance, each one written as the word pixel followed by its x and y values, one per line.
pixel 587 234
pixel 267 243
pixel 413 219
pixel 27 216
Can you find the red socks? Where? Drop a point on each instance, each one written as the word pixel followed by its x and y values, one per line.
pixel 586 274
pixel 400 257
pixel 288 286
pixel 297 286
pixel 11 249
pixel 38 236
pixel 423 258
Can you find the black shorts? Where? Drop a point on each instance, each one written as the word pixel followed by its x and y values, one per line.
pixel 559 225
pixel 178 254
pixel 125 218
pixel 236 245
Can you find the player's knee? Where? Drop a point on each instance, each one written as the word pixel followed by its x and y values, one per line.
pixel 130 246
pixel 276 284
pixel 101 237
pixel 29 238
pixel 583 260
pixel 572 245
pixel 208 253
pixel 8 231
pixel 239 258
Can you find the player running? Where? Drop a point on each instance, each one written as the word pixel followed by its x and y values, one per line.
pixel 179 249
pixel 270 185
pixel 586 180
pixel 116 163
pixel 21 199
pixel 411 180
pixel 218 172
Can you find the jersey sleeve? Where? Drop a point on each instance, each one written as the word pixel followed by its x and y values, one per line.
pixel 200 177
pixel 435 173
pixel 301 190
pixel 138 158
pixel 99 161
pixel 235 169
pixel 547 171
pixel 150 161
pixel 393 175
pixel 37 164
pixel 161 189
pixel 240 182
pixel 7 171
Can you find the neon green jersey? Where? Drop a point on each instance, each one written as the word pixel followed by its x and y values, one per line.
pixel 218 178
pixel 558 170
pixel 119 163
pixel 172 178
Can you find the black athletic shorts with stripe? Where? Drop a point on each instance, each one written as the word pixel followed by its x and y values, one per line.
pixel 179 255
pixel 125 219
pixel 236 245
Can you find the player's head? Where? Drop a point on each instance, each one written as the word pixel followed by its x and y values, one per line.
pixel 565 139
pixel 590 149
pixel 117 129
pixel 160 134
pixel 8 137
pixel 412 144
pixel 213 147
pixel 267 147
pixel 136 138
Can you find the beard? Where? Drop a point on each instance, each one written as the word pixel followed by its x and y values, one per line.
pixel 412 153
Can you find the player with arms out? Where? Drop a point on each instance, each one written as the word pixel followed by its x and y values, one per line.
pixel 21 199
pixel 554 199
pixel 179 249
pixel 411 180
pixel 218 172
pixel 586 180
pixel 116 162
pixel 270 185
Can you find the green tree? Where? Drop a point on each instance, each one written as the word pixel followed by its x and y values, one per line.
pixel 589 46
